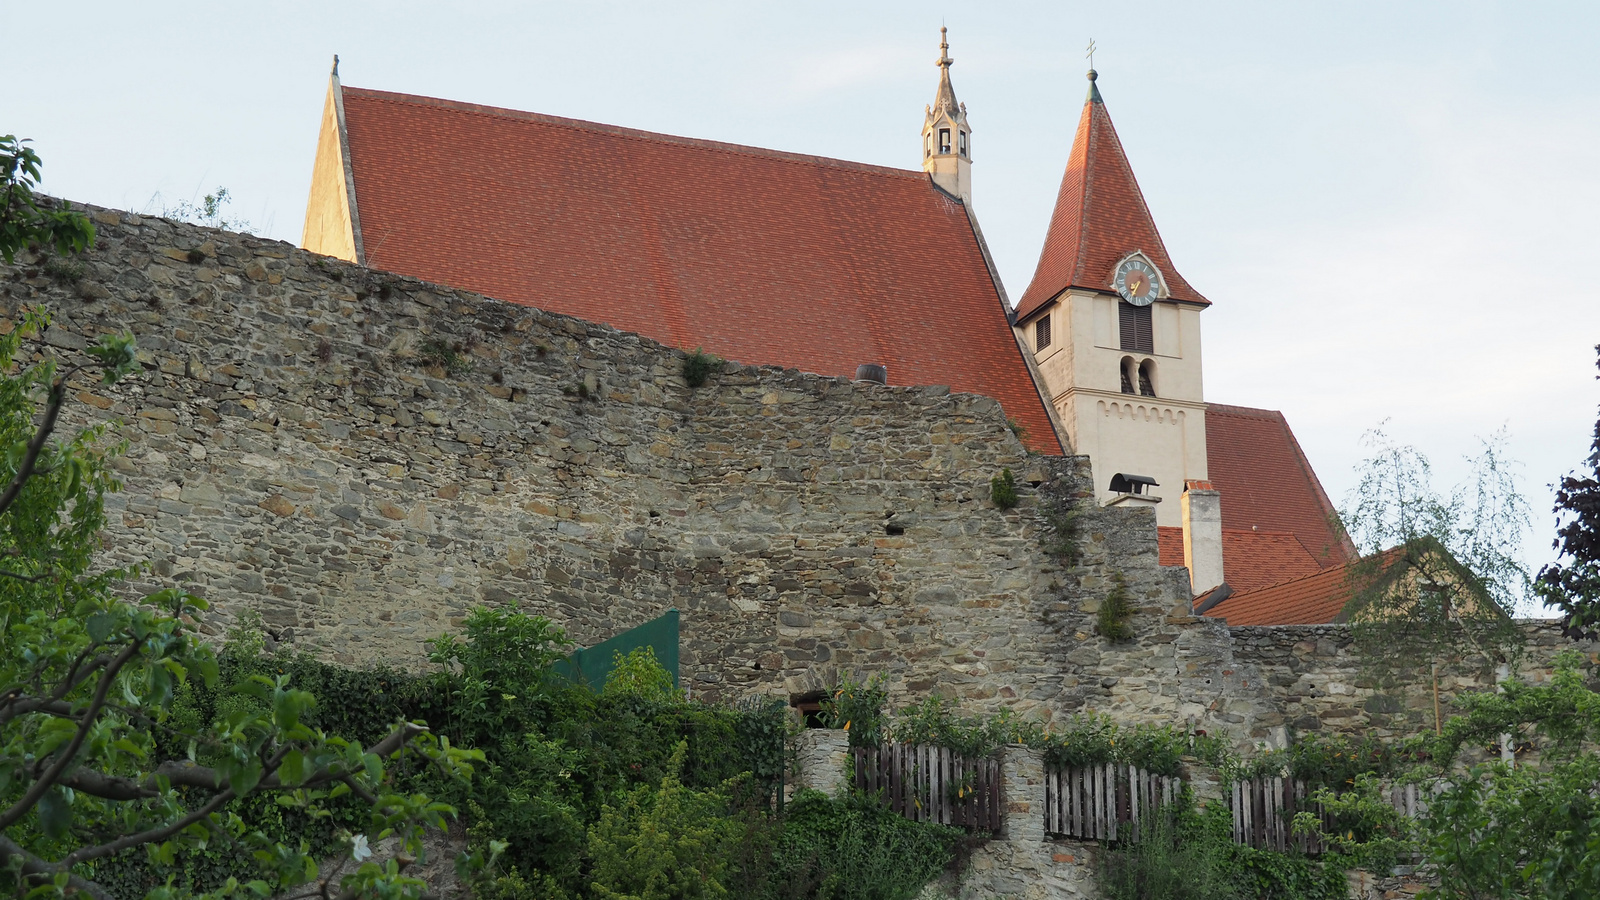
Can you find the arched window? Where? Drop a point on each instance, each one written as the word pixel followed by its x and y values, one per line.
pixel 944 140
pixel 964 150
pixel 927 144
pixel 1147 378
pixel 1127 375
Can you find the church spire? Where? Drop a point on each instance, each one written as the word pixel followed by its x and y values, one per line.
pixel 946 136
pixel 1100 218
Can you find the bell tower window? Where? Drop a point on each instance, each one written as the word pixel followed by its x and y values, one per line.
pixel 1041 333
pixel 1127 375
pixel 1147 378
pixel 964 144
pixel 1135 328
pixel 944 140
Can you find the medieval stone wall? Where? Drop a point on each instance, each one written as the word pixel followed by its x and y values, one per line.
pixel 363 458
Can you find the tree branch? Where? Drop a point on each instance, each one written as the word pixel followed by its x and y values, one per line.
pixel 52 411
pixel 36 868
pixel 66 755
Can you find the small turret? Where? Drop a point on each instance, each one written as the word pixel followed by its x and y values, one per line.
pixel 946 137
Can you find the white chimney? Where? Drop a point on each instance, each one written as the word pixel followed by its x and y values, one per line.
pixel 1202 535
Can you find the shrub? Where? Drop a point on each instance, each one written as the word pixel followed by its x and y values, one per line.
pixel 698 366
pixel 854 849
pixel 663 843
pixel 858 709
pixel 1115 611
pixel 1003 489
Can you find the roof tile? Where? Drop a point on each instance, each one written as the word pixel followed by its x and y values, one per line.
pixel 754 255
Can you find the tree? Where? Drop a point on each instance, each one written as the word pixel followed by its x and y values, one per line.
pixel 87 677
pixel 26 220
pixel 1440 575
pixel 1572 583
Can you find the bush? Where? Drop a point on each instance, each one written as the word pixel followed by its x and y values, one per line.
pixel 858 709
pixel 698 366
pixel 1003 489
pixel 854 849
pixel 1115 611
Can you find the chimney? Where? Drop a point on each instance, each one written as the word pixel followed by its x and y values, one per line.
pixel 1202 535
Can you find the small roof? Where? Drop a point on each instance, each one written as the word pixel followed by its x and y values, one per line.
pixel 1316 599
pixel 1100 217
pixel 754 255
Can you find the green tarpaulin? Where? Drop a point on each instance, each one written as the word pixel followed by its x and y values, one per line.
pixel 592 665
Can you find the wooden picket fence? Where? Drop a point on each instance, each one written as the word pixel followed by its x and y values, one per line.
pixel 1107 802
pixel 933 784
pixel 1264 811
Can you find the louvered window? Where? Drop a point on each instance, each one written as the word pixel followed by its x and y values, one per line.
pixel 1041 333
pixel 1136 335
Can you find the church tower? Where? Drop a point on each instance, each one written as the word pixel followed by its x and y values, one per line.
pixel 946 137
pixel 1115 331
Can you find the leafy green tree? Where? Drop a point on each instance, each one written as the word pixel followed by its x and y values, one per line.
pixel 1572 583
pixel 1441 574
pixel 27 220
pixel 88 678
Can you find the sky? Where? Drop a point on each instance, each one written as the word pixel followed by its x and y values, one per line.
pixel 1392 206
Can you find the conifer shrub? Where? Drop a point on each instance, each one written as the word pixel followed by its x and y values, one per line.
pixel 1003 489
pixel 698 366
pixel 1115 612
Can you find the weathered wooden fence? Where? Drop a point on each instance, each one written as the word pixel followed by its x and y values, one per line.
pixel 933 784
pixel 1106 802
pixel 1264 811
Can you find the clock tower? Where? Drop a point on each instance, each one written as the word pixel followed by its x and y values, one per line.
pixel 1115 330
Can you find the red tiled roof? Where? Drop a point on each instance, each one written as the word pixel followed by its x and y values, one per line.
pixel 1316 599
pixel 755 255
pixel 1250 559
pixel 1267 484
pixel 1100 217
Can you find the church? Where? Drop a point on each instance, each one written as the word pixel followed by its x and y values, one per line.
pixel 842 269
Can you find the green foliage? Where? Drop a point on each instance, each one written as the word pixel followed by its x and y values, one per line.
pixel 1572 583
pixel 663 843
pixel 698 367
pixel 1188 854
pixel 1336 761
pixel 640 676
pixel 1558 716
pixel 1453 577
pixel 934 721
pixel 854 849
pixel 1062 541
pixel 1089 740
pixel 452 358
pixel 1115 611
pixel 27 220
pixel 858 708
pixel 207 213
pixel 1003 489
pixel 1359 825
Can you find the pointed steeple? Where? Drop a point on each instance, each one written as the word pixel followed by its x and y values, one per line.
pixel 1100 218
pixel 946 136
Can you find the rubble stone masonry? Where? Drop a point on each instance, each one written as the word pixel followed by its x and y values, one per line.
pixel 363 458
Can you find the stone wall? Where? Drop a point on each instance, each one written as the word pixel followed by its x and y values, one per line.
pixel 364 457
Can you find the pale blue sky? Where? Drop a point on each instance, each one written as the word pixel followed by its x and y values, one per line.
pixel 1391 205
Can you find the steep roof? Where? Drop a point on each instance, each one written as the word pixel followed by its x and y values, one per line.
pixel 755 255
pixel 1100 217
pixel 1267 484
pixel 1250 559
pixel 1315 599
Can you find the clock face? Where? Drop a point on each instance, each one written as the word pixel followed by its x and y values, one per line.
pixel 1138 282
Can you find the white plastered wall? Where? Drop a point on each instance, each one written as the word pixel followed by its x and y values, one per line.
pixel 1163 436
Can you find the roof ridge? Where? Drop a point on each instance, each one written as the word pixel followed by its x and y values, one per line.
pixel 638 134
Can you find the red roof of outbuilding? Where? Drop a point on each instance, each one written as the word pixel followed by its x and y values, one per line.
pixel 1316 599
pixel 755 255
pixel 1100 217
